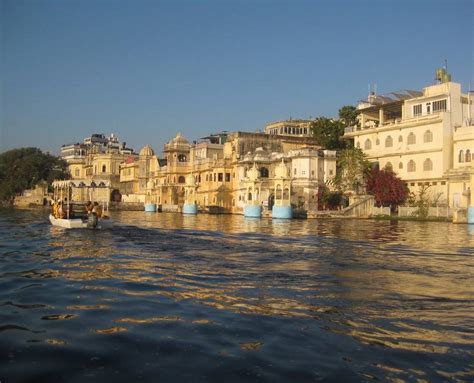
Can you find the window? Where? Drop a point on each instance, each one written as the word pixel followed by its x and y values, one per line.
pixel 400 165
pixel 428 136
pixel 439 106
pixel 461 156
pixel 104 168
pixel 468 155
pixel 77 172
pixel 377 142
pixel 411 140
pixel 264 172
pixel 389 142
pixel 427 165
pixel 286 194
pixel 428 107
pixel 182 158
pixel 400 139
pixel 303 172
pixel 367 144
pixel 331 172
pixel 411 166
pixel 227 177
pixel 294 171
pixel 389 166
pixel 278 192
pixel 417 110
pixel 220 177
pixel 358 144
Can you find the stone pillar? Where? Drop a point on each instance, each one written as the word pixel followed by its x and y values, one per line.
pixel 470 208
pixel 381 117
pixel 253 208
pixel 190 206
pixel 282 207
pixel 150 205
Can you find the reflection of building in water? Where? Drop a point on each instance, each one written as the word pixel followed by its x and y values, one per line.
pixel 426 138
pixel 219 165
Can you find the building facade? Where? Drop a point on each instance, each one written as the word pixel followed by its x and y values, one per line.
pixel 425 137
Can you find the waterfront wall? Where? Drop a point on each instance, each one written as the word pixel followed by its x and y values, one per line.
pixel 437 211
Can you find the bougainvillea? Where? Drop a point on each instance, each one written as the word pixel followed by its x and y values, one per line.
pixel 386 187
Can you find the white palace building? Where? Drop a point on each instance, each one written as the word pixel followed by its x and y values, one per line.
pixel 426 137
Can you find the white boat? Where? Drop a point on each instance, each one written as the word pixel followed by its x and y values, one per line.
pixel 72 220
pixel 79 223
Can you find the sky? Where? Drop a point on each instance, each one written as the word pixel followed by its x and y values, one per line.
pixel 146 70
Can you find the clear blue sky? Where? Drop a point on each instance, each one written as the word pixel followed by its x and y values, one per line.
pixel 148 69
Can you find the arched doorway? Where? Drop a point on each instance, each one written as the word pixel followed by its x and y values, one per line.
pixel 116 196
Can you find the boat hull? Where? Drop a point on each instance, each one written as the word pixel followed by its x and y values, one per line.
pixel 77 223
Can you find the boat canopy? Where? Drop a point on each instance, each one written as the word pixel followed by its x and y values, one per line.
pixel 63 184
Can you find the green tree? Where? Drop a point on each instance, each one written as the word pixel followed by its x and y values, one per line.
pixel 328 133
pixel 352 170
pixel 348 115
pixel 23 168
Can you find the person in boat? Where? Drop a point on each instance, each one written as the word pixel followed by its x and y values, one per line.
pixel 61 210
pixel 97 209
pixel 89 207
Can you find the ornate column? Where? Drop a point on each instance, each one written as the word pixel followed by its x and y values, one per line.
pixel 282 207
pixel 150 203
pixel 190 206
pixel 252 183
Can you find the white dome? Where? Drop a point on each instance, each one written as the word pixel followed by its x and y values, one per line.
pixel 253 174
pixel 150 184
pixel 281 171
pixel 147 151
pixel 190 180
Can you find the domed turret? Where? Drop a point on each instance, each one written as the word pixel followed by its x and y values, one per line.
pixel 150 185
pixel 190 180
pixel 253 174
pixel 147 151
pixel 281 171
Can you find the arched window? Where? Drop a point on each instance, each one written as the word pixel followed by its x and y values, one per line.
pixel 468 155
pixel 377 142
pixel 286 194
pixel 367 144
pixel 250 197
pixel 181 180
pixel 77 172
pixel 400 165
pixel 264 172
pixel 389 166
pixel 389 142
pixel 411 166
pixel 428 136
pixel 278 192
pixel 104 168
pixel 427 165
pixel 461 156
pixel 400 138
pixel 411 140
pixel 358 144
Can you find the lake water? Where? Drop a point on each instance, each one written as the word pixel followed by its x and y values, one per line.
pixel 216 298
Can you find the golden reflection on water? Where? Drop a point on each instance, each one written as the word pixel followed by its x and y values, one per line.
pixel 394 284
